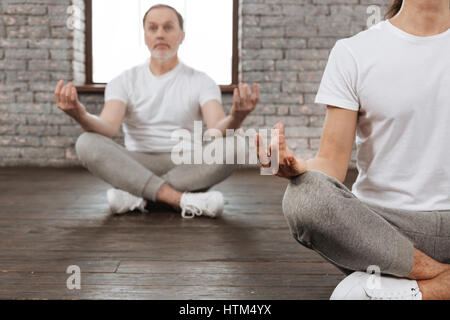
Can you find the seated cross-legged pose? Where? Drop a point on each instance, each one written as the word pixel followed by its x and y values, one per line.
pixel 152 101
pixel 389 85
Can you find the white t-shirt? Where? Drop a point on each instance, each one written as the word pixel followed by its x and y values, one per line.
pixel 400 84
pixel 158 105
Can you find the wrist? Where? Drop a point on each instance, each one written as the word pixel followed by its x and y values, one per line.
pixel 237 119
pixel 82 117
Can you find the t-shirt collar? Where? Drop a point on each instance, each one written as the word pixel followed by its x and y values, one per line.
pixel 412 37
pixel 165 75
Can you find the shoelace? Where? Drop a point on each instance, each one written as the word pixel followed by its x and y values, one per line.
pixel 195 211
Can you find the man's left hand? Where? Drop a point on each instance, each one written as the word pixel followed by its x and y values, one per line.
pixel 244 101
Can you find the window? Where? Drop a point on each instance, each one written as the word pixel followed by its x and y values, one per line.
pixel 115 38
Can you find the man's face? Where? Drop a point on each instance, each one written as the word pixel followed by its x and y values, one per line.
pixel 163 34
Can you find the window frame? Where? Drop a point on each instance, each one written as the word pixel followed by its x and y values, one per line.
pixel 91 87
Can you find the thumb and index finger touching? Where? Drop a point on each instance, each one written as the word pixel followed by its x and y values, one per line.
pixel 65 94
pixel 277 144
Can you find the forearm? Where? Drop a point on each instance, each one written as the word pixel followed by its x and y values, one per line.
pixel 329 167
pixel 228 122
pixel 93 123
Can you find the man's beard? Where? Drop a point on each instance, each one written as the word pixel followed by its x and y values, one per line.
pixel 163 57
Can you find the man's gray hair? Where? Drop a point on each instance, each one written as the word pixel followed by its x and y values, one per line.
pixel 158 6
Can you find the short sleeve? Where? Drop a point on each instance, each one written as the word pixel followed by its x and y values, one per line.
pixel 116 89
pixel 208 90
pixel 339 82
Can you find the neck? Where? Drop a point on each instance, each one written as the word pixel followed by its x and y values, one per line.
pixel 423 18
pixel 159 67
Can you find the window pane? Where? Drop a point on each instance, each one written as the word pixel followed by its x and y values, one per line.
pixel 118 36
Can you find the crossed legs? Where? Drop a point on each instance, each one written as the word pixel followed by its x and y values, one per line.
pixel 151 176
pixel 325 216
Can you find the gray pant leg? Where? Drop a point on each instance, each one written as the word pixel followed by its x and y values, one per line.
pixel 117 166
pixel 200 177
pixel 325 216
pixel 429 231
pixel 442 244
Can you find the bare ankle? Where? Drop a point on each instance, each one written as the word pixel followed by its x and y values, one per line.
pixel 425 267
pixel 169 195
pixel 437 288
pixel 424 289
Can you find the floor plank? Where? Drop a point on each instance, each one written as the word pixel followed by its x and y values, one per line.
pixel 53 218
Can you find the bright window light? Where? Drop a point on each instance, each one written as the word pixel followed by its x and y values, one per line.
pixel 118 36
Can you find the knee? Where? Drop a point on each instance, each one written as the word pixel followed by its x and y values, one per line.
pixel 305 202
pixel 87 146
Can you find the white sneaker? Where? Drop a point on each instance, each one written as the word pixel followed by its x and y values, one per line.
pixel 203 203
pixel 364 286
pixel 121 201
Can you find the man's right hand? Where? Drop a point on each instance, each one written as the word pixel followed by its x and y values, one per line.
pixel 67 100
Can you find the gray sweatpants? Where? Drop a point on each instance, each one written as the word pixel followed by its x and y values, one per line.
pixel 143 173
pixel 325 216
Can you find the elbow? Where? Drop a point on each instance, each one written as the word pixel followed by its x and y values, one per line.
pixel 112 134
pixel 340 169
pixel 112 130
pixel 332 166
pixel 342 176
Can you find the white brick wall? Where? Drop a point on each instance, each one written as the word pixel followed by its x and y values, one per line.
pixel 284 46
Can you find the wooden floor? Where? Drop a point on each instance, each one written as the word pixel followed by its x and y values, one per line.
pixel 53 218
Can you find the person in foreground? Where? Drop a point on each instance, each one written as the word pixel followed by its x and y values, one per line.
pixel 154 100
pixel 389 85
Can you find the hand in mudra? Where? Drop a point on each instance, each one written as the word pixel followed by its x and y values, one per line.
pixel 244 102
pixel 287 165
pixel 67 100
